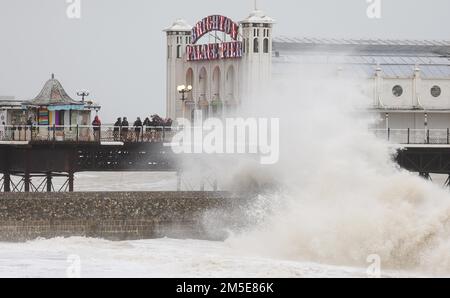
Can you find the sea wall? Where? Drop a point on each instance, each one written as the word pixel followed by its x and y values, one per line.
pixel 120 215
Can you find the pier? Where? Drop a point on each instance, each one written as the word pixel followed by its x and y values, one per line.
pixel 36 155
pixel 422 151
pixel 48 152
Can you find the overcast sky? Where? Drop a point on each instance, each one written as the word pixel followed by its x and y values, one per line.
pixel 117 49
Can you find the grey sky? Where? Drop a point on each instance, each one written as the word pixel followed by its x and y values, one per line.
pixel 117 49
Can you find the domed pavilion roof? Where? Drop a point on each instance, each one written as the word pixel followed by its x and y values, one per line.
pixel 179 25
pixel 258 16
pixel 53 93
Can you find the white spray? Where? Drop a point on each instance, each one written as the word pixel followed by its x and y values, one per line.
pixel 344 198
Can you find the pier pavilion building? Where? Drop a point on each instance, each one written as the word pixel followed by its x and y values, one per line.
pixel 53 106
pixel 407 82
pixel 221 59
pixel 227 63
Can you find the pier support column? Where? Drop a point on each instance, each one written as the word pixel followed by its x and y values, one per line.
pixel 27 182
pixel 202 184
pixel 447 182
pixel 49 182
pixel 71 181
pixel 215 185
pixel 6 182
pixel 179 181
pixel 425 176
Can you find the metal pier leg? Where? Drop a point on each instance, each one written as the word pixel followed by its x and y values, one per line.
pixel 216 185
pixel 6 182
pixel 49 182
pixel 179 181
pixel 71 181
pixel 27 182
pixel 202 184
pixel 425 176
pixel 447 182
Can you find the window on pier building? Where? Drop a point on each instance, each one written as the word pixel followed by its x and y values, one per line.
pixel 397 91
pixel 266 45
pixel 436 91
pixel 179 51
pixel 256 45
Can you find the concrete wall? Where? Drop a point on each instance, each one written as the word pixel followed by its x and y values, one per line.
pixel 118 216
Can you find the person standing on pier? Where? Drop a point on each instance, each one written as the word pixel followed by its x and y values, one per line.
pixel 30 122
pixel 148 129
pixel 137 128
pixel 117 127
pixel 29 128
pixel 96 127
pixel 125 125
pixel 3 131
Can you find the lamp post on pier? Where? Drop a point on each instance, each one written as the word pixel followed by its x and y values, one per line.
pixel 183 90
pixel 83 94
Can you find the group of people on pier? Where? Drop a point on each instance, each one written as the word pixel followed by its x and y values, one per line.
pixel 152 129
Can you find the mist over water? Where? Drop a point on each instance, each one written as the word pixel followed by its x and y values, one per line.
pixel 341 197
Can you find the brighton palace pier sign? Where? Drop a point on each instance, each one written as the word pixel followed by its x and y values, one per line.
pixel 215 51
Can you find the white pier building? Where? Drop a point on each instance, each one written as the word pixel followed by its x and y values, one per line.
pixel 408 81
pixel 221 59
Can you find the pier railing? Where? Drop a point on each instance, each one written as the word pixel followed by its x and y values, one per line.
pixel 148 134
pixel 414 136
pixel 85 133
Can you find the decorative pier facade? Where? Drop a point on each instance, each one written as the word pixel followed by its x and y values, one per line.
pixel 221 59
